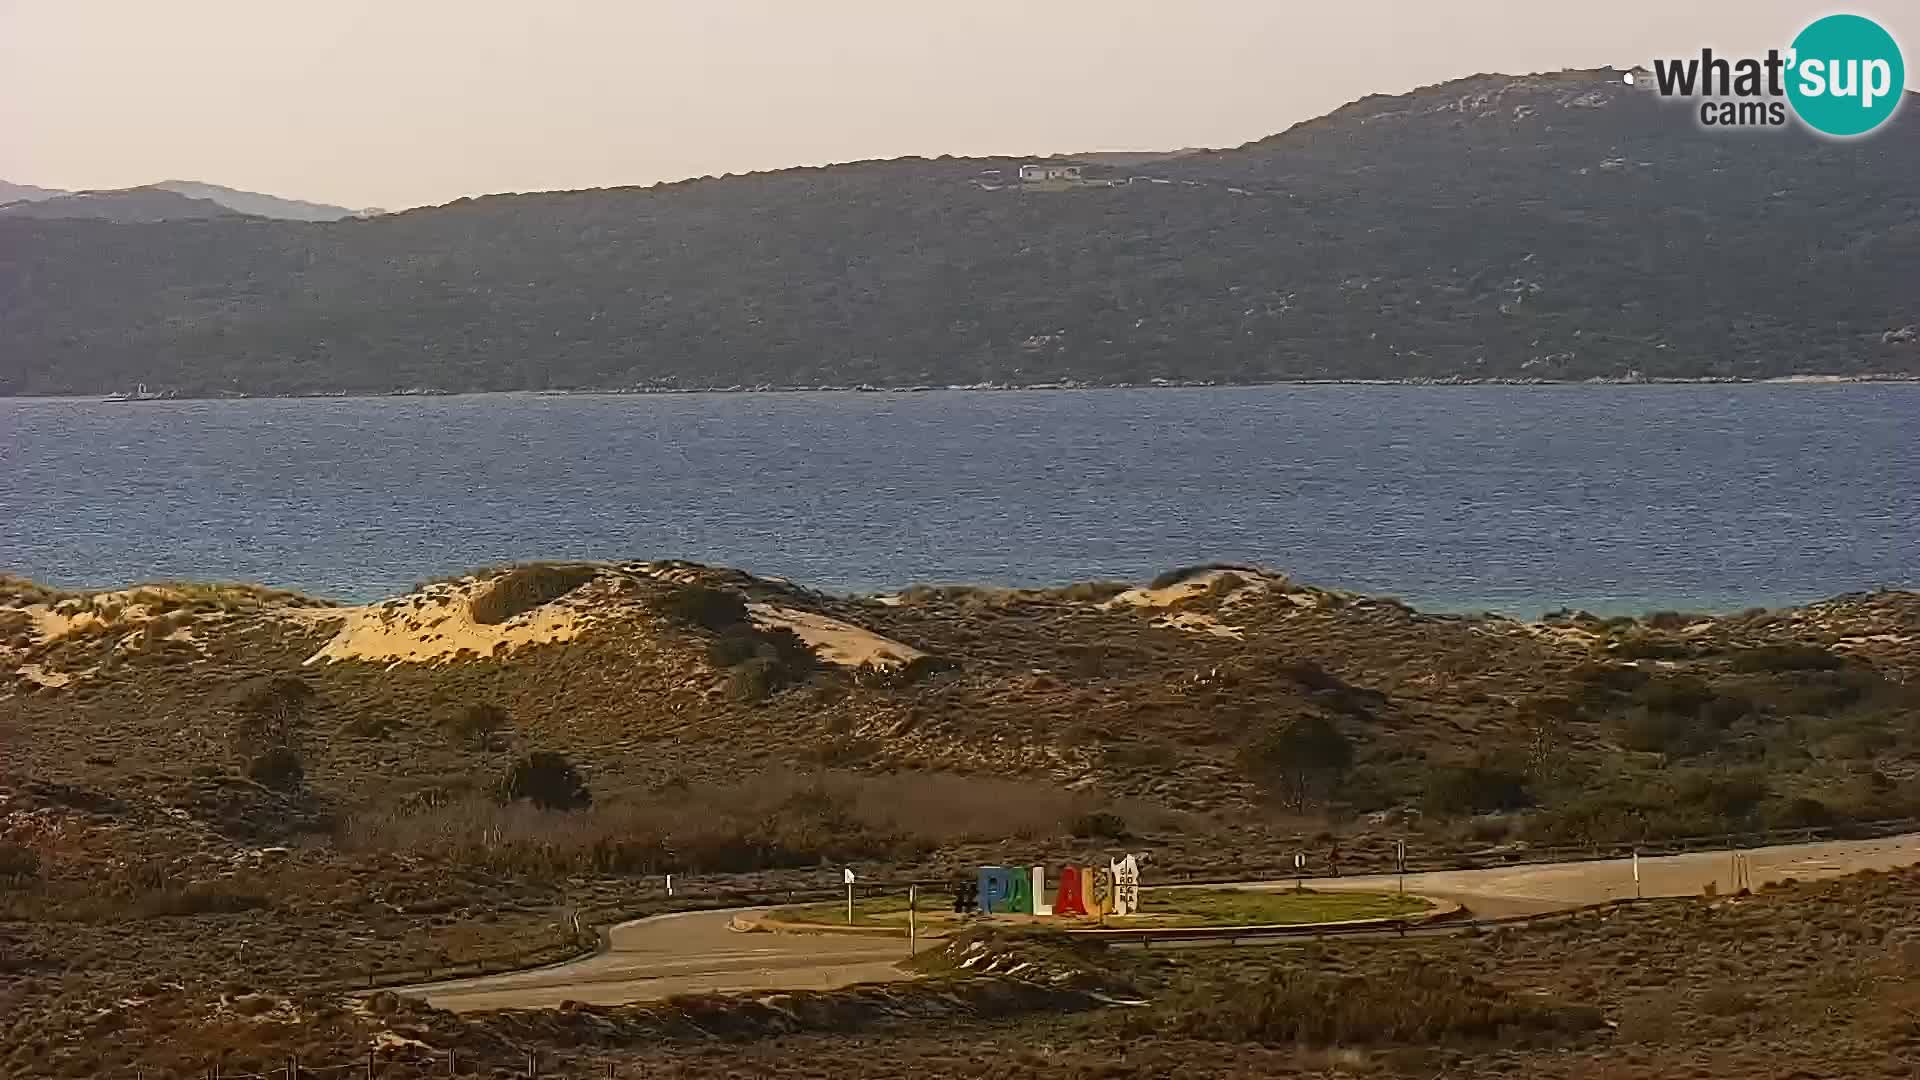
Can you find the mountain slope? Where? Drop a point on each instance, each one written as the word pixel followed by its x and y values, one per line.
pixel 252 202
pixel 1561 226
pixel 25 193
pixel 125 206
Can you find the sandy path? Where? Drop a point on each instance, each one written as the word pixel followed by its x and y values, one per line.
pixel 694 952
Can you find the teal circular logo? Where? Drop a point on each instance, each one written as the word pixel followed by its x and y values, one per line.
pixel 1847 76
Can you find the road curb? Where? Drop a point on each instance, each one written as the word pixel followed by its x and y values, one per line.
pixel 1439 911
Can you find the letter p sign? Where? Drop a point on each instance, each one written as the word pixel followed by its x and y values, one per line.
pixel 996 889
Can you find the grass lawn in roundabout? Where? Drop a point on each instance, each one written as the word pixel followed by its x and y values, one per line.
pixel 1159 907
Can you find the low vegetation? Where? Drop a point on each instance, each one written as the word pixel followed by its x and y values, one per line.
pixel 1411 1002
pixel 523 588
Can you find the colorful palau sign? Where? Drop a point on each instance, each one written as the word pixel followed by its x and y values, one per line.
pixel 1081 891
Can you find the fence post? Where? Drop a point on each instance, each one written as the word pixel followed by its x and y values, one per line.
pixel 453 1063
pixel 369 1065
pixel 293 1067
pixel 533 1065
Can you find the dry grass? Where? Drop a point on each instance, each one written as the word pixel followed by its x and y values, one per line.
pixel 770 821
pixel 527 587
pixel 1409 1001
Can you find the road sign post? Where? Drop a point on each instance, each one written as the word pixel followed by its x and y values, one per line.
pixel 1400 863
pixel 1636 874
pixel 1299 872
pixel 913 907
pixel 849 878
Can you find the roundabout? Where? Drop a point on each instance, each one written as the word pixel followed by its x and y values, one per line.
pixel 1165 908
pixel 701 952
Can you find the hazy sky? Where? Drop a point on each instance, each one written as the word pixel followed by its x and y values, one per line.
pixel 402 102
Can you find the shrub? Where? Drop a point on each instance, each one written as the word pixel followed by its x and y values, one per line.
pixel 1799 812
pixel 755 680
pixel 736 644
pixel 476 723
pixel 1790 657
pixel 547 780
pixel 269 707
pixel 1650 647
pixel 1099 825
pixel 704 607
pixel 524 588
pixel 1091 592
pixel 1679 695
pixel 18 863
pixel 1300 760
pixel 1727 796
pixel 278 768
pixel 1180 574
pixel 198 898
pixel 1414 1002
pixel 372 725
pixel 1675 734
pixel 1478 788
pixel 844 750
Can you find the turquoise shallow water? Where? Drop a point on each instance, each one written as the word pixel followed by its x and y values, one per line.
pixel 1520 499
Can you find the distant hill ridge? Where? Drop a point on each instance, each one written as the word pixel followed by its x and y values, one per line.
pixel 25 193
pixel 1544 227
pixel 151 202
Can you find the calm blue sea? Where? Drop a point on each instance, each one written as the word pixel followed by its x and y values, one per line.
pixel 1516 499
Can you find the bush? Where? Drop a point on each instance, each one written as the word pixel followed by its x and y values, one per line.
pixel 1729 797
pixel 1180 574
pixel 278 768
pixel 1793 657
pixel 1416 1002
pixel 736 644
pixel 1652 732
pixel 524 588
pixel 844 750
pixel 269 707
pixel 1650 647
pixel 547 780
pixel 1479 788
pixel 1799 812
pixel 372 725
pixel 1099 825
pixel 755 680
pixel 1300 760
pixel 707 608
pixel 476 723
pixel 18 863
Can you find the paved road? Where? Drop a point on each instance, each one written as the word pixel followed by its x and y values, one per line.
pixel 688 953
pixel 696 953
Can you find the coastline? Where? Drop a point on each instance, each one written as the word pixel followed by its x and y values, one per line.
pixel 1897 378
